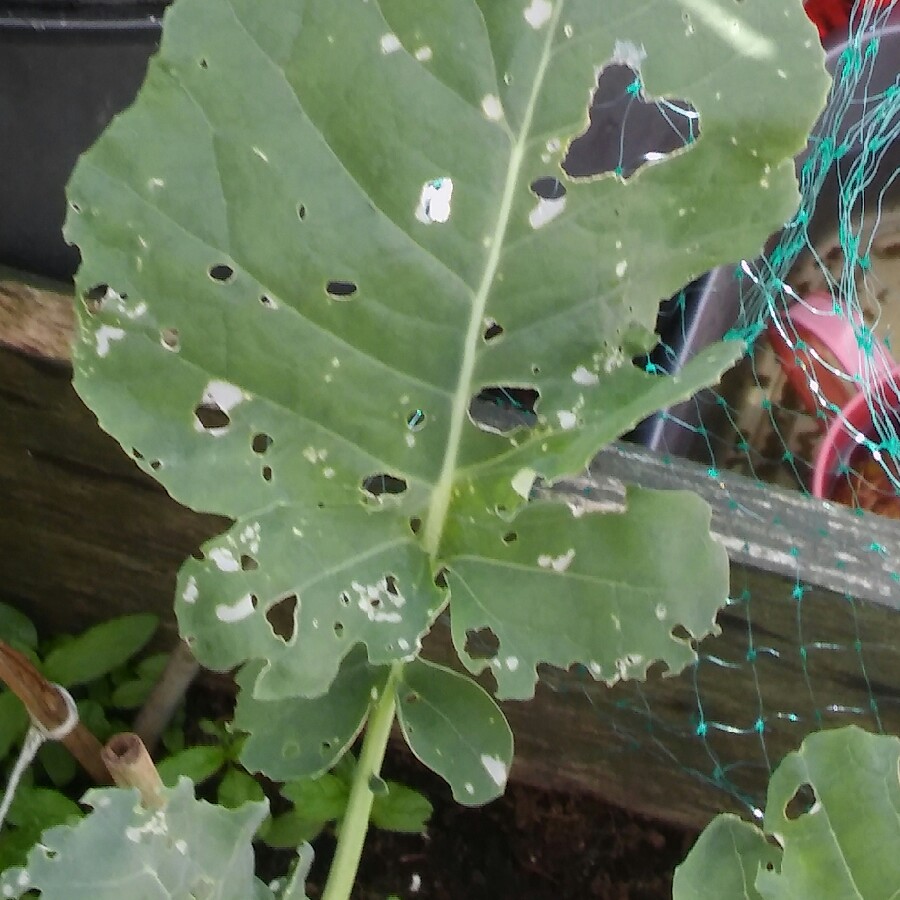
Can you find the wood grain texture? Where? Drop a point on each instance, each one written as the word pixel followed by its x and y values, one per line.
pixel 810 639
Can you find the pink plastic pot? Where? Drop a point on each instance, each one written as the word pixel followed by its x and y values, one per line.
pixel 832 339
pixel 841 445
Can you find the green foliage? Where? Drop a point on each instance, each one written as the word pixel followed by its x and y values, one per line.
pixel 831 828
pixel 98 662
pixel 341 271
pixel 99 650
pixel 322 800
pixel 187 849
pixel 285 317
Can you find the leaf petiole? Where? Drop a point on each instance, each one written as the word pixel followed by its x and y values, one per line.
pixel 355 823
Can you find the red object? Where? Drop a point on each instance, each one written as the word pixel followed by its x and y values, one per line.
pixel 831 15
pixel 868 485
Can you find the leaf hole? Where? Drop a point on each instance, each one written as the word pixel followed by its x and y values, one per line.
pixel 168 337
pixel 390 585
pixel 680 633
pixel 382 483
pixel 482 644
pixel 202 63
pixel 281 617
pixel 341 290
pixel 199 555
pixel 301 211
pixel 546 187
pixel 326 747
pixel 626 129
pixel 75 207
pixel 94 297
pixel 415 524
pixel 415 421
pixel 155 464
pixel 440 578
pixel 492 331
pixel 501 409
pixel 136 453
pixel 345 598
pixel 267 473
pixel 221 273
pixel 248 563
pixel 260 442
pixel 339 629
pixel 510 537
pixel 212 417
pixel 802 802
pixel 267 301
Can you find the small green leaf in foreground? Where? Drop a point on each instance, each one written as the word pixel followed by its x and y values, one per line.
pixel 841 842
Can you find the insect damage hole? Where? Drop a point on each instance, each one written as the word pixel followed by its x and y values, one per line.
pixel 211 414
pixel 803 800
pixel 281 616
pixel 212 417
pixel 341 290
pixel 383 483
pixel 248 563
pixel 169 338
pixel 93 298
pixel 482 644
pixel 221 273
pixel 501 409
pixel 260 442
pixel 627 130
pixel 492 330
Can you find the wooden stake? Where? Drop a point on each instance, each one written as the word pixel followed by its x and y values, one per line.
pixel 127 759
pixel 44 702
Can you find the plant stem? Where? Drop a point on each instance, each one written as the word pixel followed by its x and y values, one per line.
pixel 355 823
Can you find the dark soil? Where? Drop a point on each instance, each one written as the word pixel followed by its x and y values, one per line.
pixel 530 844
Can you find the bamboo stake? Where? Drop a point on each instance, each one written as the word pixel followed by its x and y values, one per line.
pixel 46 705
pixel 128 761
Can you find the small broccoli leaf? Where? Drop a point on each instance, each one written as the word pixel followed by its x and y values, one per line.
pixel 401 809
pixel 297 738
pixel 453 726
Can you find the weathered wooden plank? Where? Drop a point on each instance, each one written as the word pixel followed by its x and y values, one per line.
pixel 85 534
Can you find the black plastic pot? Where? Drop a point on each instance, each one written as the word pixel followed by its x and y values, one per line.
pixel 66 68
pixel 714 308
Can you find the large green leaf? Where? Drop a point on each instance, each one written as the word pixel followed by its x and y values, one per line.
pixel 316 237
pixel 833 821
pixel 187 849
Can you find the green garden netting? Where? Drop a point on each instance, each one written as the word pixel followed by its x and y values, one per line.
pixel 820 314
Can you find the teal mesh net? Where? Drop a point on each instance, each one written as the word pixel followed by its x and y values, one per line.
pixel 813 408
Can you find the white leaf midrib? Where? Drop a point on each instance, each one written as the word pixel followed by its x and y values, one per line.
pixel 441 495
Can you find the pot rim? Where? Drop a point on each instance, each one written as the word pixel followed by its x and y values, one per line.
pixel 840 442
